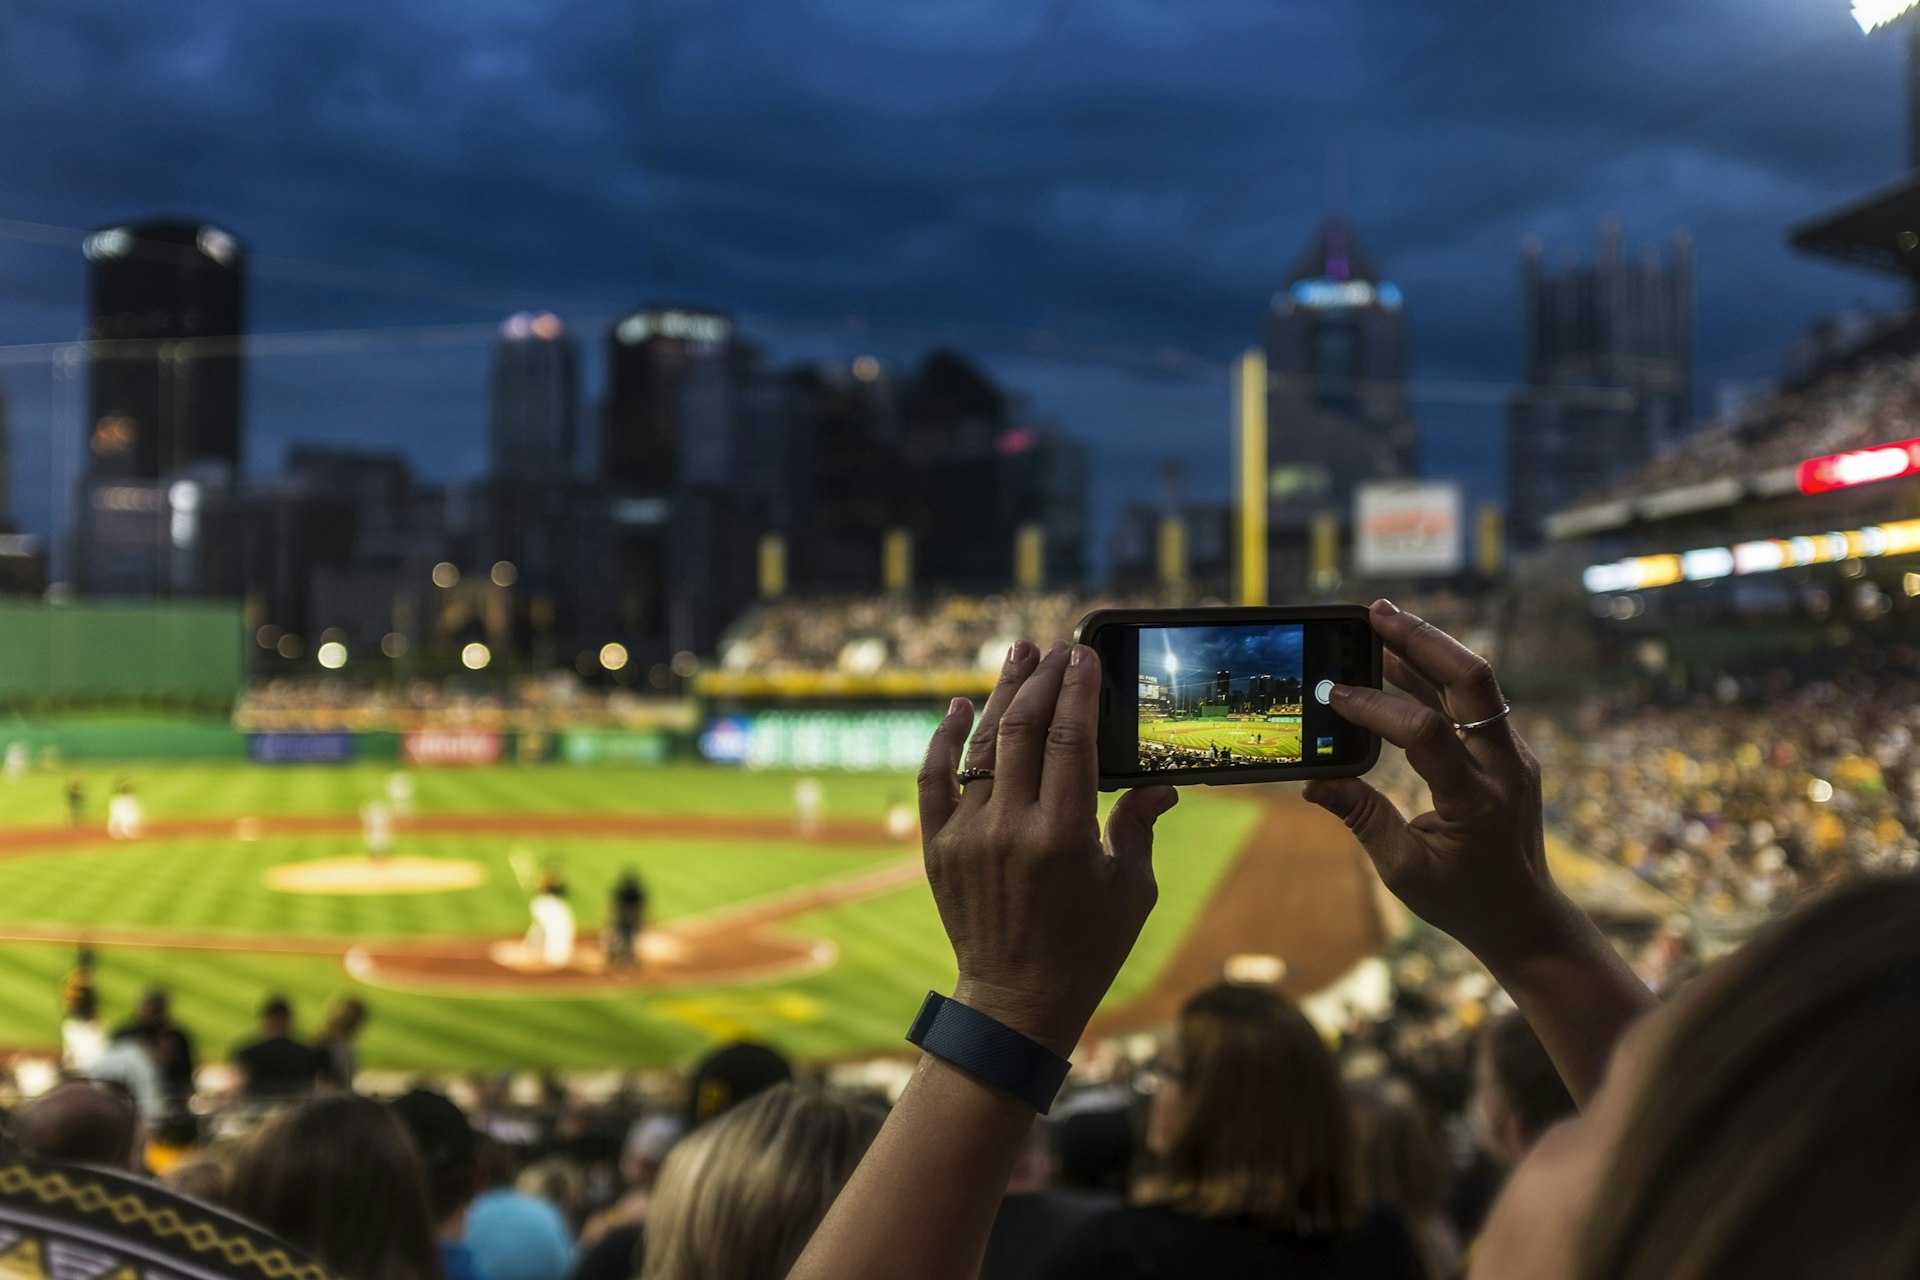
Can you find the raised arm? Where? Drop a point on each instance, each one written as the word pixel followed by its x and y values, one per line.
pixel 1041 912
pixel 1476 866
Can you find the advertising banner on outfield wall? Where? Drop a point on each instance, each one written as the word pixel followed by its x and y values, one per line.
pixel 430 747
pixel 300 748
pixel 854 740
pixel 1407 529
pixel 615 748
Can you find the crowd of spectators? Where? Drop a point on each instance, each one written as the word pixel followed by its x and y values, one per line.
pixel 724 1171
pixel 556 700
pixel 1752 790
pixel 1850 409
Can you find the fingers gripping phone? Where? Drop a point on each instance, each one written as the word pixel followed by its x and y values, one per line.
pixel 1223 696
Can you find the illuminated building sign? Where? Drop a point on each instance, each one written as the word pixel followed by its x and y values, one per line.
pixel 687 326
pixel 1639 573
pixel 1861 466
pixel 1324 294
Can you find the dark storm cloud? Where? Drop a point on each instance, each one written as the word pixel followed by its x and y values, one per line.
pixel 1203 652
pixel 797 162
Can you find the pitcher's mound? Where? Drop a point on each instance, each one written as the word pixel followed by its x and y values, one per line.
pixel 375 875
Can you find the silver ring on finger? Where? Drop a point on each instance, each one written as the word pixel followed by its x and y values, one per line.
pixel 1506 708
pixel 975 775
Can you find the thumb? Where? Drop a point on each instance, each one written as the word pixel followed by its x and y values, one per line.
pixel 1367 813
pixel 1130 825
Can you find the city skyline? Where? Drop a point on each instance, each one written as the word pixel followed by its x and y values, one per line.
pixel 1110 211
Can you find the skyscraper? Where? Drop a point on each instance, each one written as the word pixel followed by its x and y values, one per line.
pixel 164 322
pixel 6 467
pixel 535 381
pixel 667 420
pixel 1338 413
pixel 165 313
pixel 1609 369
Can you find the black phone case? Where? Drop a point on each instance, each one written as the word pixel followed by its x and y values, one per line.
pixel 1227 616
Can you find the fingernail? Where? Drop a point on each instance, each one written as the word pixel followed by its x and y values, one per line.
pixel 1059 647
pixel 1079 651
pixel 955 707
pixel 1341 693
pixel 1017 653
pixel 1386 607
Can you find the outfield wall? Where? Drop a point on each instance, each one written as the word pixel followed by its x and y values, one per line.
pixel 107 652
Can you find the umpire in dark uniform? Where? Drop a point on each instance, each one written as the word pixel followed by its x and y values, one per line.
pixel 626 919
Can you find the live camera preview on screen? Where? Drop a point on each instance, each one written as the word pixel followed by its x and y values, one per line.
pixel 1220 697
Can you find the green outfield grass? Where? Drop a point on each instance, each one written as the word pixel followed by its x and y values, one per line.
pixel 1252 739
pixel 891 947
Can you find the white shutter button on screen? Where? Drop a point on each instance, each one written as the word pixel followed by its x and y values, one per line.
pixel 1323 691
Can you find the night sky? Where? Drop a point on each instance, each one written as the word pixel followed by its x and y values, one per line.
pixel 1204 651
pixel 1095 197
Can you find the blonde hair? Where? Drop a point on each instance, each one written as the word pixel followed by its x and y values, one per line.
pixel 1262 1133
pixel 740 1197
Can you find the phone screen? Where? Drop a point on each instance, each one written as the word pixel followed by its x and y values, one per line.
pixel 1218 696
pixel 1192 698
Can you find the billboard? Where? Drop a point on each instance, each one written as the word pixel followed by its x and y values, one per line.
pixel 615 747
pixel 451 747
pixel 121 650
pixel 1407 529
pixel 854 740
pixel 300 748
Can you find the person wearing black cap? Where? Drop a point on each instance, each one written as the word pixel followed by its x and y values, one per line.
pixel 451 1157
pixel 276 1066
pixel 729 1076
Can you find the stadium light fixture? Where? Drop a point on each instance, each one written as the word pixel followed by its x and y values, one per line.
pixel 1704 564
pixel 613 656
pixel 445 575
pixel 332 655
pixel 476 656
pixel 1874 14
pixel 1859 466
pixel 504 573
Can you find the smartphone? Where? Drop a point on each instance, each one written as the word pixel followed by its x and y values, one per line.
pixel 1223 696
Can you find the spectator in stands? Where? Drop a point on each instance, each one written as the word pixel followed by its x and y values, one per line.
pixel 449 1157
pixel 83 1038
pixel 338 1176
pixel 133 1063
pixel 729 1076
pixel 173 1045
pixel 739 1199
pixel 515 1236
pixel 1404 1167
pixel 79 1123
pixel 612 1239
pixel 1035 1216
pixel 1517 1097
pixel 338 1043
pixel 558 1181
pixel 1251 1129
pixel 275 1066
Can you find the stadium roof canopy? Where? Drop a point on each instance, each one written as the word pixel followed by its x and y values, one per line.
pixel 1880 231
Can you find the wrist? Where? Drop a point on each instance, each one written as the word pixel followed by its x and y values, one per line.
pixel 1038 1016
pixel 1543 924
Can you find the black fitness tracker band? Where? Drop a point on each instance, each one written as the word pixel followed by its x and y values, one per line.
pixel 990 1050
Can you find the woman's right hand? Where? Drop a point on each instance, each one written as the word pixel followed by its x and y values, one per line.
pixel 1476 865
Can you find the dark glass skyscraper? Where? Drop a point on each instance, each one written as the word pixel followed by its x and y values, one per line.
pixel 668 419
pixel 1609 375
pixel 165 311
pixel 535 399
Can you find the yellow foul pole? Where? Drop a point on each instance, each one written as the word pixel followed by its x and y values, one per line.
pixel 1250 458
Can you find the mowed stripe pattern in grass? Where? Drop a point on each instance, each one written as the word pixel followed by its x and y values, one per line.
pixel 891 948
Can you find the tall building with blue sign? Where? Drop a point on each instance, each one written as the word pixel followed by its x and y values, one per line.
pixel 1338 413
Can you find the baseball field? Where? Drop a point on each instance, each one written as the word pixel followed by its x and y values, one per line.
pixel 247 880
pixel 1248 738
